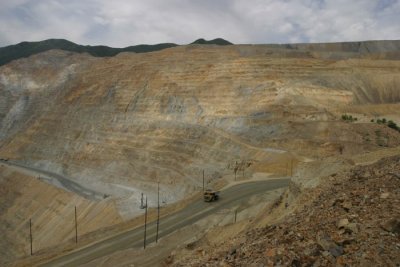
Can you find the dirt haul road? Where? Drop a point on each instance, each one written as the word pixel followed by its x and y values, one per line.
pixel 55 179
pixel 189 215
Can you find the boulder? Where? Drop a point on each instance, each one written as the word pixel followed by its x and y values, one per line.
pixel 342 223
pixel 392 225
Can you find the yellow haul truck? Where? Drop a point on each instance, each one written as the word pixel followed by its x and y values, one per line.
pixel 211 195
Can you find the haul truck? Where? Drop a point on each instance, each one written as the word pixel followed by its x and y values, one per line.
pixel 211 195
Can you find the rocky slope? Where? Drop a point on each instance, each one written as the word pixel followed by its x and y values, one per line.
pixel 351 219
pixel 52 212
pixel 120 124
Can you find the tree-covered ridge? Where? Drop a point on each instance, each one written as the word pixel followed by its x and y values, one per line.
pixel 26 49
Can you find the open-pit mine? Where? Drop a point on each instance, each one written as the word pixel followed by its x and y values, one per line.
pixel 96 134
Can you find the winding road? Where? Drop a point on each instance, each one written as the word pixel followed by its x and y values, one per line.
pixel 195 211
pixel 56 180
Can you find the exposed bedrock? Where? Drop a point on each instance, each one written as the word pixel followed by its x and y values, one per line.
pixel 121 124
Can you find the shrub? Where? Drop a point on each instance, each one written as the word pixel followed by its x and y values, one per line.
pixel 349 118
pixel 393 125
pixel 389 123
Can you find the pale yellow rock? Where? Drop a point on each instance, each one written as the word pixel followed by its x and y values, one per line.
pixel 384 195
pixel 342 223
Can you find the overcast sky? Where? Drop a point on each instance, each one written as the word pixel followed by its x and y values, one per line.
pixel 121 23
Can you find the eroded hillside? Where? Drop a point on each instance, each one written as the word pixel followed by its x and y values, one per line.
pixel 120 124
pixel 51 211
pixel 350 219
pixel 116 126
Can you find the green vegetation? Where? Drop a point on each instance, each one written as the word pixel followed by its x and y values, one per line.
pixel 349 118
pixel 389 123
pixel 218 41
pixel 393 125
pixel 26 49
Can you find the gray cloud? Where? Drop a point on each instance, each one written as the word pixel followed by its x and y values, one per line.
pixel 121 23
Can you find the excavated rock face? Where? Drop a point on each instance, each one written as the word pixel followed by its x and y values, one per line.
pixel 51 211
pixel 120 124
pixel 351 219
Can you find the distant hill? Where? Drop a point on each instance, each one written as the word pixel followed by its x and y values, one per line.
pixel 26 49
pixel 217 41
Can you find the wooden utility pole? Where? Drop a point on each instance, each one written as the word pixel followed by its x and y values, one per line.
pixel 145 225
pixel 76 227
pixel 236 169
pixel 30 235
pixel 203 180
pixel 158 210
pixel 291 168
pixel 235 215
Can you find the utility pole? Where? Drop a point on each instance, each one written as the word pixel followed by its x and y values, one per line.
pixel 235 215
pixel 141 202
pixel 287 168
pixel 203 180
pixel 236 169
pixel 76 228
pixel 30 234
pixel 158 210
pixel 291 168
pixel 145 225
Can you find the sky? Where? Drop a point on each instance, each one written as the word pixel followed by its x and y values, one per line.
pixel 120 23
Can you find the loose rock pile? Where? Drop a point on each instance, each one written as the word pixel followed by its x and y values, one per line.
pixel 353 220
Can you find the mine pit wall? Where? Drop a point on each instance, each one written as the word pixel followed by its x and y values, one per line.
pixel 306 177
pixel 52 211
pixel 121 124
